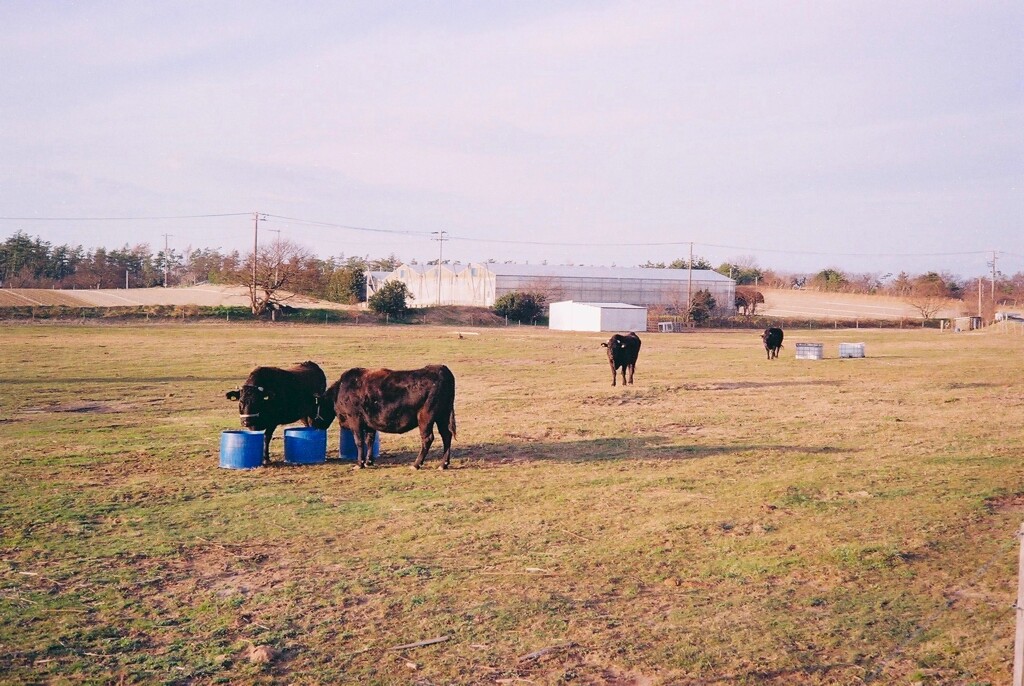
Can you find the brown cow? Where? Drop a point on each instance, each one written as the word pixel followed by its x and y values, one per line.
pixel 370 400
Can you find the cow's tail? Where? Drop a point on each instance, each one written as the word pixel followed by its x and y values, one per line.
pixel 450 378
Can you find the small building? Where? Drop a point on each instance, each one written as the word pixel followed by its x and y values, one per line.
pixel 569 315
pixel 967 323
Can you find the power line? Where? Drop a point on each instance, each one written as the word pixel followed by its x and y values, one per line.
pixel 500 241
pixel 309 222
pixel 123 219
pixel 851 254
pixel 713 245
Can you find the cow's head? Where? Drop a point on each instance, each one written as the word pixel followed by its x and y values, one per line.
pixel 325 412
pixel 255 405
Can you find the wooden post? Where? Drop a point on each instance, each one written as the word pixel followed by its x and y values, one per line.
pixel 1018 643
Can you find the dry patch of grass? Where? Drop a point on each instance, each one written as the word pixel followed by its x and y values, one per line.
pixel 724 520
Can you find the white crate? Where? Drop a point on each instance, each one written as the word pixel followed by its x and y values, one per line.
pixel 810 351
pixel 851 350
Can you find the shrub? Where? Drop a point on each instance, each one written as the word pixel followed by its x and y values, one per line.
pixel 520 306
pixel 702 305
pixel 391 299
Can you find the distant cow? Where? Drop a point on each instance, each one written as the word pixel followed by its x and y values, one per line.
pixel 366 401
pixel 623 349
pixel 772 338
pixel 747 300
pixel 272 396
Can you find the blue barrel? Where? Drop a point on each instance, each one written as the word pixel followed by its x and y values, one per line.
pixel 240 449
pixel 305 445
pixel 347 448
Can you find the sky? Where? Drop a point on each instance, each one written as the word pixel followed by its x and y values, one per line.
pixel 867 136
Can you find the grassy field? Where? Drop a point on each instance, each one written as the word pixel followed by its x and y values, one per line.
pixel 726 520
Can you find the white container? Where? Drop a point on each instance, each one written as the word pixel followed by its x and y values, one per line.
pixel 810 351
pixel 851 350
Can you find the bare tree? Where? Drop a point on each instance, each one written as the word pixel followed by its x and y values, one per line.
pixel 676 300
pixel 546 286
pixel 282 269
pixel 928 298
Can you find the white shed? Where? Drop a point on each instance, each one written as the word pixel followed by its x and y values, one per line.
pixel 569 315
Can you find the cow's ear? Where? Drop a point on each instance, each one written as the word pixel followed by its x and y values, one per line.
pixel 231 395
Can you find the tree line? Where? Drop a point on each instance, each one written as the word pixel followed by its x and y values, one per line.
pixel 923 290
pixel 31 262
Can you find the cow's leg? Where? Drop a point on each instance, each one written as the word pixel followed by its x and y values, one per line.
pixel 426 438
pixel 267 435
pixel 624 375
pixel 614 371
pixel 446 443
pixel 371 438
pixel 632 368
pixel 360 437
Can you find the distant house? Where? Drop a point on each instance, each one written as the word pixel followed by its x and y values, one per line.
pixel 480 284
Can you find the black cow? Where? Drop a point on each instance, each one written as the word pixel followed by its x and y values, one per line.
pixel 370 400
pixel 272 396
pixel 623 349
pixel 772 338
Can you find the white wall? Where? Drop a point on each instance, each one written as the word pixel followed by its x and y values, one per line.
pixel 568 315
pixel 481 284
pixel 572 316
pixel 624 319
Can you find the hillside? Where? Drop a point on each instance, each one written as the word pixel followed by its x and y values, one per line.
pixel 802 304
pixel 204 296
pixel 781 303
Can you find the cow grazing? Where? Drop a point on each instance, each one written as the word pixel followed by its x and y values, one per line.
pixel 272 396
pixel 369 400
pixel 623 349
pixel 772 338
pixel 747 300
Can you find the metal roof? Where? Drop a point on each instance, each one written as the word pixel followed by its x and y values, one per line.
pixel 418 268
pixel 604 306
pixel 548 270
pixel 424 268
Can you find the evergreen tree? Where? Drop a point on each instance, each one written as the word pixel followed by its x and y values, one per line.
pixel 391 299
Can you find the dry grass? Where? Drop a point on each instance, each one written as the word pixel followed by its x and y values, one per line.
pixel 725 520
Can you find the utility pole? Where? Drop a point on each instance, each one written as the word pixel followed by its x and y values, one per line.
pixel 167 259
pixel 440 253
pixel 993 278
pixel 689 284
pixel 256 219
